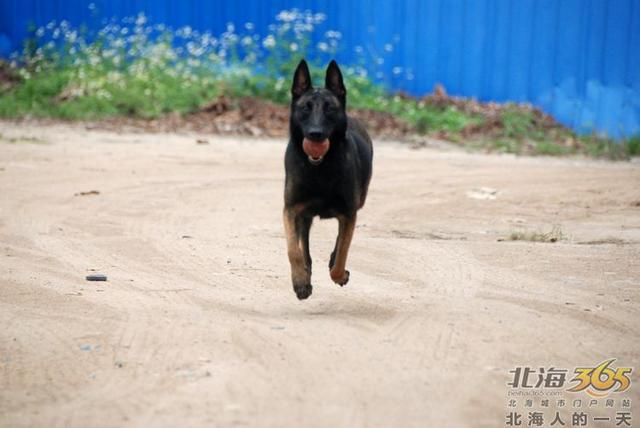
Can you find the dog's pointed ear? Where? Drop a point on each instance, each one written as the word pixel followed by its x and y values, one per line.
pixel 333 81
pixel 301 80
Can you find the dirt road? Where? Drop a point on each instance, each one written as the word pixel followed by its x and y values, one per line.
pixel 198 324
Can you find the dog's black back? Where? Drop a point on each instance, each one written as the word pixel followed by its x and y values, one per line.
pixel 338 185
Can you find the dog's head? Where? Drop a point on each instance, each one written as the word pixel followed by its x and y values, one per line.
pixel 318 115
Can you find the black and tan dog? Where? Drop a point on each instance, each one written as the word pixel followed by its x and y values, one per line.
pixel 328 169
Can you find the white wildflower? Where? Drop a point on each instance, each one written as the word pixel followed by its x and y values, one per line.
pixel 141 19
pixel 287 15
pixel 269 41
pixel 103 93
pixel 71 36
pixel 279 84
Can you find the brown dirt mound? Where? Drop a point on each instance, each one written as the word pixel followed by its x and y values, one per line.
pixel 491 112
pixel 247 116
pixel 260 118
pixel 8 76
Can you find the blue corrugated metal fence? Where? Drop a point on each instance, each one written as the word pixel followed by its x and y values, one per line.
pixel 576 59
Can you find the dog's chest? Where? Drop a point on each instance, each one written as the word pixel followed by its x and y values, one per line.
pixel 325 207
pixel 325 200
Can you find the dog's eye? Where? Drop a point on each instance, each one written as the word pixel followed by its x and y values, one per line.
pixel 327 106
pixel 308 106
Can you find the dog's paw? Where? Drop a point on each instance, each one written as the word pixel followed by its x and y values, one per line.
pixel 303 291
pixel 340 278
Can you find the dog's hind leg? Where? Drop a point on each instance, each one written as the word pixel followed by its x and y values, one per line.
pixel 338 273
pixel 297 252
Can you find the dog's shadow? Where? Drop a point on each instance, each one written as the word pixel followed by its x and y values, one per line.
pixel 344 309
pixel 327 308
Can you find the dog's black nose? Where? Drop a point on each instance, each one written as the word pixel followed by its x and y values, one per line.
pixel 315 135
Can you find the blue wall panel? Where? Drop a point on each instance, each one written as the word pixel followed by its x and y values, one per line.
pixel 576 59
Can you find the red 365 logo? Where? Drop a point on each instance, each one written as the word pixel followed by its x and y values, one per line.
pixel 599 381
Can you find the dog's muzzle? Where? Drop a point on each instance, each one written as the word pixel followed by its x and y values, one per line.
pixel 315 150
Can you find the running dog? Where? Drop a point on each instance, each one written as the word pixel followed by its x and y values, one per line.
pixel 328 164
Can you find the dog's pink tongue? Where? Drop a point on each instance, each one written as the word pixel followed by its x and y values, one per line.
pixel 315 149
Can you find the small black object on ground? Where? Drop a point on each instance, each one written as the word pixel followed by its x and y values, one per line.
pixel 96 277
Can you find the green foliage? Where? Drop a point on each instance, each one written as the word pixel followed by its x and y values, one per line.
pixel 599 146
pixel 554 235
pixel 133 68
pixel 448 119
pixel 505 145
pixel 34 95
pixel 632 145
pixel 520 124
pixel 551 148
pixel 424 117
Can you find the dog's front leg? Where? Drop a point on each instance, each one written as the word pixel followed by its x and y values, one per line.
pixel 297 231
pixel 338 273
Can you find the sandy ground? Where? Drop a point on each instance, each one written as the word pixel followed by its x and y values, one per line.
pixel 198 324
